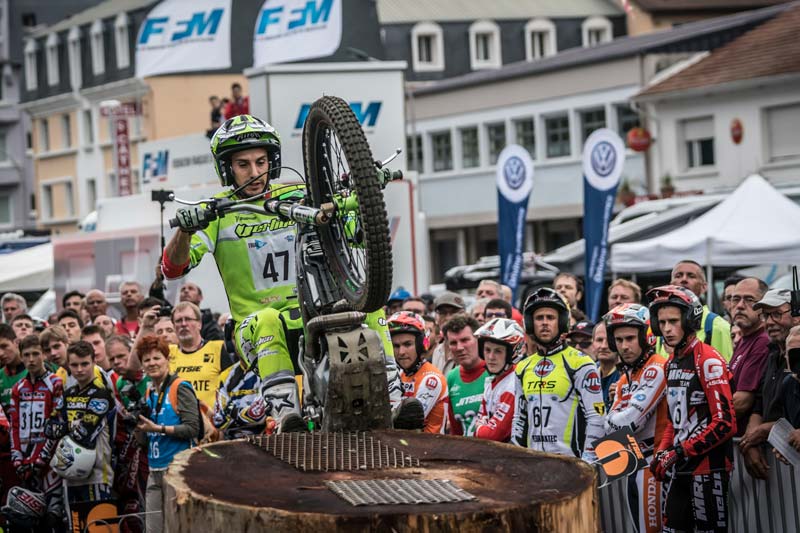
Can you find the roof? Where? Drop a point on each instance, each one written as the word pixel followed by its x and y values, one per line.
pixel 693 36
pixel 771 49
pixel 109 8
pixel 399 11
pixel 662 6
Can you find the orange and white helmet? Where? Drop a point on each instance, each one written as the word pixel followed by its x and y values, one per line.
pixel 409 322
pixel 633 316
pixel 503 331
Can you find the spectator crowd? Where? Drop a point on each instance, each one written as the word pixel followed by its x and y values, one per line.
pixel 97 402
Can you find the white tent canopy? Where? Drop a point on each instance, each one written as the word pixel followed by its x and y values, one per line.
pixel 30 269
pixel 755 225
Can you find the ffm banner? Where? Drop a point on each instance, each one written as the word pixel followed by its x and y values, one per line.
pixel 295 30
pixel 182 36
pixel 514 185
pixel 603 161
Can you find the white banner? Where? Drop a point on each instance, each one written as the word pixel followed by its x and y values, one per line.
pixel 183 35
pixel 294 30
pixel 176 162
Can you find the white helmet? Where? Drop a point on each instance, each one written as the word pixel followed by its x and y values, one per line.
pixel 73 461
pixel 506 332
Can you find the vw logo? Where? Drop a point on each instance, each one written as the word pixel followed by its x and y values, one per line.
pixel 604 157
pixel 514 172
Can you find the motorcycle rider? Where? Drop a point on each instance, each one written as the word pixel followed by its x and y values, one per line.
pixel 639 403
pixel 696 450
pixel 421 380
pixel 501 341
pixel 255 253
pixel 559 397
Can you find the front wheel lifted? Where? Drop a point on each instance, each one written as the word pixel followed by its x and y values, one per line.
pixel 340 168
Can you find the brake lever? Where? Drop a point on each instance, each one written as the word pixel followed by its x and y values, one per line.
pixel 381 164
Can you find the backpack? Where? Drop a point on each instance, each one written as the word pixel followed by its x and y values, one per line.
pixel 206 431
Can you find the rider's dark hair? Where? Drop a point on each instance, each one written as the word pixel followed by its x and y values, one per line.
pixel 69 313
pixel 578 281
pixel 69 295
pixel 499 303
pixel 458 323
pixel 81 349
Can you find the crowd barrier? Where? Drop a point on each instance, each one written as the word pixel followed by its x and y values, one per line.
pixel 755 506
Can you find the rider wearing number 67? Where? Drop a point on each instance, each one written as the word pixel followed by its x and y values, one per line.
pixel 255 256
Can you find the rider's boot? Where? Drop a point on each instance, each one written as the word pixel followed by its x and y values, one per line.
pixel 282 400
pixel 409 415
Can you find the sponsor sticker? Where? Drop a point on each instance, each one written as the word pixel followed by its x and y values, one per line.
pixel 592 382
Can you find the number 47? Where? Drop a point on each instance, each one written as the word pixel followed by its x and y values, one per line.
pixel 269 266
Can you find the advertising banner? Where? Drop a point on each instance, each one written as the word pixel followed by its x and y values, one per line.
pixel 603 161
pixel 514 185
pixel 181 36
pixel 176 162
pixel 295 30
pixel 122 155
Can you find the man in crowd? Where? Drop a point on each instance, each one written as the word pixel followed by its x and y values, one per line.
pixel 501 342
pixel 22 325
pixel 130 296
pixel 776 313
pixel 580 337
pixel 497 308
pixel 446 305
pixel 13 370
pixel 35 400
pixel 696 450
pixel 555 384
pixel 751 352
pixel 72 324
pixel 421 380
pixel 415 305
pixel 72 300
pixel 194 359
pixel 87 425
pixel 606 363
pixel 623 291
pixel 396 300
pixel 477 309
pixel 465 382
pixel 238 104
pixel 714 330
pixel 488 288
pixel 13 304
pixel 570 287
pixel 165 329
pixel 105 323
pixel 790 390
pixel 191 292
pixel 54 345
pixel 727 293
pixel 94 336
pixel 96 304
pixel 639 404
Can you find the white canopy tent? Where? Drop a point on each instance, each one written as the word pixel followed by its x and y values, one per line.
pixel 30 269
pixel 755 225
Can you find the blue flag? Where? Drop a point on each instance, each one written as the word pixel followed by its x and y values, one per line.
pixel 603 161
pixel 514 185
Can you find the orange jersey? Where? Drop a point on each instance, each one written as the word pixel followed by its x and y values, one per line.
pixel 429 386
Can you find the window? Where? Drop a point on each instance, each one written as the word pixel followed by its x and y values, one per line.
pixel 121 43
pixel 782 141
pixel 596 30
pixel 51 58
pixel 698 137
pixel 44 135
pixel 540 39
pixel 66 130
pixel 74 55
pixel 31 81
pixel 47 202
pixel 470 154
pixel 5 210
pixel 3 147
pixel 557 131
pixel 427 47
pixel 442 151
pixel 496 134
pixel 414 153
pixel 98 48
pixel 88 127
pixel 627 119
pixel 592 119
pixel 526 135
pixel 484 45
pixel 91 193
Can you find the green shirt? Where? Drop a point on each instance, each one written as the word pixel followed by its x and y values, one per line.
pixel 7 382
pixel 465 399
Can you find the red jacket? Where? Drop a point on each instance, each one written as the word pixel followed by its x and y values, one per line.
pixel 33 403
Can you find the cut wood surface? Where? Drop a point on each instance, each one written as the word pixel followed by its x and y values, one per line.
pixel 246 489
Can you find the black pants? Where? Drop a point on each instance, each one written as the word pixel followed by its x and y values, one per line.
pixel 697 503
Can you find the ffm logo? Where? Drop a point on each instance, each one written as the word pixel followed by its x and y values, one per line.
pixel 154 166
pixel 199 24
pixel 279 19
pixel 366 116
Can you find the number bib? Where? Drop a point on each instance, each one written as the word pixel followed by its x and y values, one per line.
pixel 31 418
pixel 272 259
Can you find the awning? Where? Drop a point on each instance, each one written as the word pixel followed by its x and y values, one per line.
pixel 30 269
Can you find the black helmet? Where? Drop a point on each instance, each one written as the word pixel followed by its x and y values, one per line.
pixel 546 297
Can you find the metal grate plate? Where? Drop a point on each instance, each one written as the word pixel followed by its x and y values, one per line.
pixel 398 491
pixel 327 452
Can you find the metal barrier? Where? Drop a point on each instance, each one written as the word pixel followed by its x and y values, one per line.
pixel 770 506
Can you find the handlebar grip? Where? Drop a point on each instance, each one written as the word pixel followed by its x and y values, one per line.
pixel 397 175
pixel 173 223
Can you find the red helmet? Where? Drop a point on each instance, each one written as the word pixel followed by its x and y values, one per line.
pixel 629 315
pixel 503 331
pixel 690 305
pixel 408 322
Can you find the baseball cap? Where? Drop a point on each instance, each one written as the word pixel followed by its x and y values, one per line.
pixel 448 298
pixel 399 295
pixel 584 327
pixel 774 298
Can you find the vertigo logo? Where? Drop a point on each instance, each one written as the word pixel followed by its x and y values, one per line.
pixel 366 115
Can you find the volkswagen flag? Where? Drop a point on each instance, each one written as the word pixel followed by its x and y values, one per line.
pixel 514 185
pixel 603 160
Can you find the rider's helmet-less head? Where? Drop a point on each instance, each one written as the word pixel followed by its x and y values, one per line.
pixel 506 332
pixel 629 315
pixel 412 323
pixel 674 295
pixel 244 132
pixel 546 297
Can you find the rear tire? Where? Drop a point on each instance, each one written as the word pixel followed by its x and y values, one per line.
pixel 358 254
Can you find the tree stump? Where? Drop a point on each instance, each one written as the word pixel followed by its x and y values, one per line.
pixel 247 489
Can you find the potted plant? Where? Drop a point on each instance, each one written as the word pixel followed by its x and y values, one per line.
pixel 667 188
pixel 625 195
